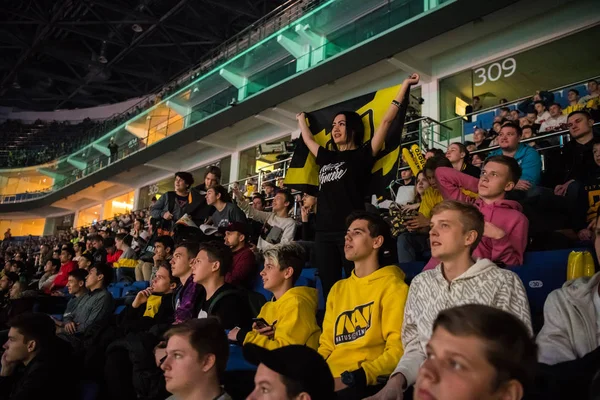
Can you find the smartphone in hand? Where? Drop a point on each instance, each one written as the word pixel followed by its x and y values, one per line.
pixel 260 323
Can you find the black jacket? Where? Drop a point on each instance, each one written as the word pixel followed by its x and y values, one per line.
pixel 578 161
pixel 197 209
pixel 41 376
pixel 133 320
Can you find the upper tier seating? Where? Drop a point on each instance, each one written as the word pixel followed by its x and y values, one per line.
pixel 485 120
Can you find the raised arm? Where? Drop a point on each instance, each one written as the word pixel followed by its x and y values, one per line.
pixel 307 135
pixel 391 113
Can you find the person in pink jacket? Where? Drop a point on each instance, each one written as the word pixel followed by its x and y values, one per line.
pixel 506 227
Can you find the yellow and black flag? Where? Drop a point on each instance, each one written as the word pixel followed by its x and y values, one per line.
pixel 303 173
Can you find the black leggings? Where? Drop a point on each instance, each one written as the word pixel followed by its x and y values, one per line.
pixel 329 257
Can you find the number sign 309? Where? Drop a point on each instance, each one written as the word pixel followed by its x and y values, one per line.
pixel 495 71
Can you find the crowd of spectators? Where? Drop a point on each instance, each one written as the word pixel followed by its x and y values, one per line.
pixel 41 142
pixel 539 114
pixel 462 329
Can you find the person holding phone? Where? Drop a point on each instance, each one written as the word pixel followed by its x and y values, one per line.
pixel 290 318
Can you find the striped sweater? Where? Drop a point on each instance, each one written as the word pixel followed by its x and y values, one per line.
pixel 483 283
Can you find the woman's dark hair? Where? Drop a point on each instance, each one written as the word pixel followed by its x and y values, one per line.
pixel 417 195
pixel 225 197
pixel 355 129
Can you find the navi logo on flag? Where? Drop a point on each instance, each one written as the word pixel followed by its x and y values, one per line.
pixel 303 173
pixel 353 324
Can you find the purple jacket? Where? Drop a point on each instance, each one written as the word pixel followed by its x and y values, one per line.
pixel 186 298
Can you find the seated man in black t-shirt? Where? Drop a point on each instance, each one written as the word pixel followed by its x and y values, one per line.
pixel 591 191
pixel 219 299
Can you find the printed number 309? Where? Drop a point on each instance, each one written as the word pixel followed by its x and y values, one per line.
pixel 495 71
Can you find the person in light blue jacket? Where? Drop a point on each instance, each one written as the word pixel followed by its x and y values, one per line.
pixel 528 158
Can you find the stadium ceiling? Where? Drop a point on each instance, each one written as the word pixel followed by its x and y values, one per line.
pixel 61 54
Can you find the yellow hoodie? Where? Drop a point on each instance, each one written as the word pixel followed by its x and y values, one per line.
pixel 295 313
pixel 363 323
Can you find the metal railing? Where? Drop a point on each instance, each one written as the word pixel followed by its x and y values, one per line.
pixel 281 16
pixel 561 133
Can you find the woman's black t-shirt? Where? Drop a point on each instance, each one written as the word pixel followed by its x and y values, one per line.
pixel 343 184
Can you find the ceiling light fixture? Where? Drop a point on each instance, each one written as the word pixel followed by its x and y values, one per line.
pixel 137 28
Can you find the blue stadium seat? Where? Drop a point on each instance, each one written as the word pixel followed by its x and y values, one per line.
pixel 582 89
pixel 122 285
pixel 236 360
pixel 309 273
pixel 412 269
pixel 134 287
pixel 115 291
pixel 469 127
pixel 119 309
pixel 304 281
pixel 560 97
pixel 486 119
pixel 541 273
pixel 140 285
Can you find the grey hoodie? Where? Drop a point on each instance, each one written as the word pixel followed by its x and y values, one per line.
pixel 429 293
pixel 569 330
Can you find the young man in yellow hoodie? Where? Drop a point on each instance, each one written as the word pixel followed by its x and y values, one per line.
pixel 361 337
pixel 291 316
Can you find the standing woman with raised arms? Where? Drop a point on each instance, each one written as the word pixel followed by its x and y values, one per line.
pixel 344 174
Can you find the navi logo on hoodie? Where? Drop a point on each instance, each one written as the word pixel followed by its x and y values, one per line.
pixel 353 324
